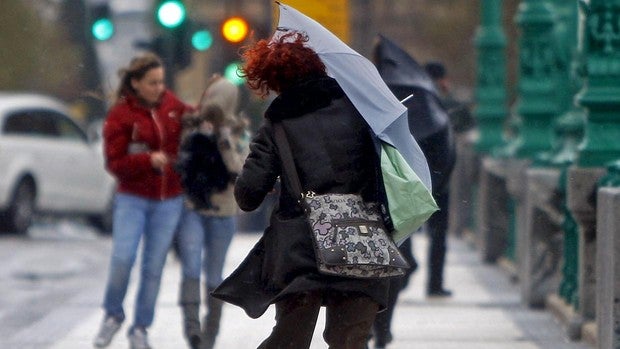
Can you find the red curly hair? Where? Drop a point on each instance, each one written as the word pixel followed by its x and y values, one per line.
pixel 277 65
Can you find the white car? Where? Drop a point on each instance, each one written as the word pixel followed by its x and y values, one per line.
pixel 49 165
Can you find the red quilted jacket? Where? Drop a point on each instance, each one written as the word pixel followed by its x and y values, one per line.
pixel 131 131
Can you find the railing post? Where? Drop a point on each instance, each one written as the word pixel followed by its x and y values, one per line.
pixel 600 96
pixel 608 259
pixel 540 240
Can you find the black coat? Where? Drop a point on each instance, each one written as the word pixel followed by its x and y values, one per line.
pixel 202 169
pixel 334 153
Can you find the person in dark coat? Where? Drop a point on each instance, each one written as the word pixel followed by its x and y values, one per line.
pixel 430 125
pixel 461 118
pixel 333 152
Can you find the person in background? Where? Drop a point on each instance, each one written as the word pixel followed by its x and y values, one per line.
pixel 438 147
pixel 437 225
pixel 334 153
pixel 460 116
pixel 141 139
pixel 207 225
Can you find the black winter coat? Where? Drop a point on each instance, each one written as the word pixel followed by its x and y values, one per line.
pixel 334 153
pixel 202 169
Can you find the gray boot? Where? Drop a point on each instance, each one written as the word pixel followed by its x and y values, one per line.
pixel 189 300
pixel 212 320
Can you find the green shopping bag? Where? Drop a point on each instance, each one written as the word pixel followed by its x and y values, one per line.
pixel 410 202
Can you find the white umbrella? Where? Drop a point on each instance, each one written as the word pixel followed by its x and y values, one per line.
pixel 362 83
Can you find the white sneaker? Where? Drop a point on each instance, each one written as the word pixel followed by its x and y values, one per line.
pixel 109 327
pixel 138 339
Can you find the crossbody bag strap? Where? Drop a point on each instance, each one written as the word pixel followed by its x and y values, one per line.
pixel 286 156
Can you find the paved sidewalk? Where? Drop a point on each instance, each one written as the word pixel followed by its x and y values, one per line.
pixel 484 312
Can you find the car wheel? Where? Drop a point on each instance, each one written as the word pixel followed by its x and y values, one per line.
pixel 20 213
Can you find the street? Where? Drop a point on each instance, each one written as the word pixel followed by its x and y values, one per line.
pixel 56 262
pixel 52 283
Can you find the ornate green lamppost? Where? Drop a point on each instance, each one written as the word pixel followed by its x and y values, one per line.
pixel 600 96
pixel 538 71
pixel 601 93
pixel 491 108
pixel 568 131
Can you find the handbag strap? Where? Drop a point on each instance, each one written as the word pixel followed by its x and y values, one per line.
pixel 287 159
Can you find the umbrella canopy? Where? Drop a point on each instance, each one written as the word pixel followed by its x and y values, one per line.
pixel 398 68
pixel 404 76
pixel 428 120
pixel 362 83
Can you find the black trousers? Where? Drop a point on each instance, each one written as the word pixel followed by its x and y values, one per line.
pixel 381 329
pixel 348 322
pixel 437 227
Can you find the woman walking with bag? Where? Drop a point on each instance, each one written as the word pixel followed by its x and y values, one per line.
pixel 333 152
pixel 211 157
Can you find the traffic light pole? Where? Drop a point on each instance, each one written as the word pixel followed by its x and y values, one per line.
pixel 166 52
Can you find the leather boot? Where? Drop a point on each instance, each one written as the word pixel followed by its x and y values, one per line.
pixel 189 300
pixel 212 320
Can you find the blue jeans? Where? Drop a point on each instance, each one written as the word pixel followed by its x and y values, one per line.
pixel 215 234
pixel 135 217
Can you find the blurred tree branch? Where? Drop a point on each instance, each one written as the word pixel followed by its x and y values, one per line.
pixel 34 55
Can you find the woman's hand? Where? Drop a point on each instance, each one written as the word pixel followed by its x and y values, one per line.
pixel 159 159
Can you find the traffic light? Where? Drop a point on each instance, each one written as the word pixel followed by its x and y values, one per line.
pixel 201 38
pixel 101 24
pixel 175 31
pixel 231 73
pixel 235 29
pixel 170 13
pixel 181 44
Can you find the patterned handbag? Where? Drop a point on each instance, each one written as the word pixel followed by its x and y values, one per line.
pixel 348 233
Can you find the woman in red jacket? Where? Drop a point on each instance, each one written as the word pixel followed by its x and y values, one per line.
pixel 141 140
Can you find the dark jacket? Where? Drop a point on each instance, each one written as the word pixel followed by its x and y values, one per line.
pixel 202 169
pixel 131 132
pixel 334 153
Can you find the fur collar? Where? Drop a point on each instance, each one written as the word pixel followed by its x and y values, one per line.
pixel 304 98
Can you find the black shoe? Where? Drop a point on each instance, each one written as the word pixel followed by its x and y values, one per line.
pixel 439 293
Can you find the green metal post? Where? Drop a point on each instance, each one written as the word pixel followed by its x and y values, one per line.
pixel 568 131
pixel 612 178
pixel 601 93
pixel 538 80
pixel 569 127
pixel 569 285
pixel 511 243
pixel 491 109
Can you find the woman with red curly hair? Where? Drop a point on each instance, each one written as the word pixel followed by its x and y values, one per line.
pixel 333 152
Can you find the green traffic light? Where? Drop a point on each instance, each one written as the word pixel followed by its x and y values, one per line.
pixel 230 73
pixel 171 13
pixel 202 40
pixel 103 29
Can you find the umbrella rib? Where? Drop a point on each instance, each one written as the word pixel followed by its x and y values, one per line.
pixel 340 53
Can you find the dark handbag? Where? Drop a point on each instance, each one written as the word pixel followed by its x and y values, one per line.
pixel 348 233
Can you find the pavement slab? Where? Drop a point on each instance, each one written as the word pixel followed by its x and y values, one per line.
pixel 484 312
